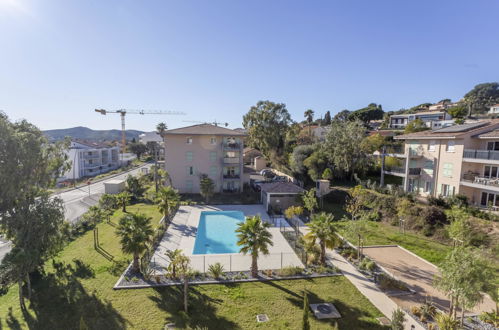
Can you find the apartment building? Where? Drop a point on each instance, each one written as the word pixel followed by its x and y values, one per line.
pixel 90 159
pixel 204 149
pixel 461 159
pixel 428 117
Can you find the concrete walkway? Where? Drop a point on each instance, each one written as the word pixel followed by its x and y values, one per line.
pixel 367 288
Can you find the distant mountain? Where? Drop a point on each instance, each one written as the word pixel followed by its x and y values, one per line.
pixel 85 133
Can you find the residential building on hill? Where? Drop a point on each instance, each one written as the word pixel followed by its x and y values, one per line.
pixel 494 109
pixel 90 159
pixel 461 159
pixel 401 121
pixel 204 149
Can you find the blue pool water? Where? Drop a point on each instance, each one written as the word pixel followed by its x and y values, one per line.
pixel 216 232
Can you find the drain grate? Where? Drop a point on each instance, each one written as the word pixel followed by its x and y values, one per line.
pixel 262 318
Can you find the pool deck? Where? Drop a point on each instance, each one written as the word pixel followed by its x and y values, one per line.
pixel 181 234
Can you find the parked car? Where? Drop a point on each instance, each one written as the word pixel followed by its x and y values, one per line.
pixel 280 178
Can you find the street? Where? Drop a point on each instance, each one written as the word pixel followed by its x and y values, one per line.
pixel 77 201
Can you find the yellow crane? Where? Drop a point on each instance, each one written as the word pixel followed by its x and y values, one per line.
pixel 124 112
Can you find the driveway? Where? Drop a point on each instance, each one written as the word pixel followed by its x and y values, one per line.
pixel 417 274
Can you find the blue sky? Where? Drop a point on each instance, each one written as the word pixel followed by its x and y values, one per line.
pixel 214 59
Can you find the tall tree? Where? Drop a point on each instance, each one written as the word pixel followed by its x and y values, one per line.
pixel 33 222
pixel 254 238
pixel 463 275
pixel 306 312
pixel 267 124
pixel 372 112
pixel 327 119
pixel 316 163
pixel 309 116
pixel 343 147
pixel 137 148
pixel 481 97
pixel 297 158
pixel 36 229
pixel 342 116
pixel 135 232
pixel 207 187
pixel 322 230
pixel 416 125
pixel 309 200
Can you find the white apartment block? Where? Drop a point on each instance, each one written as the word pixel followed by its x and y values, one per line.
pixel 428 117
pixel 90 159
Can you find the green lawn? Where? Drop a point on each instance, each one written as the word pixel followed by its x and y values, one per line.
pixel 79 286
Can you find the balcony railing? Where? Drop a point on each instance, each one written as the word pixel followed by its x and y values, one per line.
pixel 92 156
pixel 232 146
pixel 477 179
pixel 231 160
pixel 231 176
pixel 230 190
pixel 401 170
pixel 481 154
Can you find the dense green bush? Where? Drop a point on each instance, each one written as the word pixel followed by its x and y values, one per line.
pixel 290 271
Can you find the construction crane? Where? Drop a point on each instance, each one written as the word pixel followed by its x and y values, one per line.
pixel 216 123
pixel 124 112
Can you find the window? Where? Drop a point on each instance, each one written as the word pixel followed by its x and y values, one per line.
pixel 489 199
pixel 428 166
pixel 427 186
pixel 447 171
pixel 450 146
pixel 213 156
pixel 189 140
pixel 188 156
pixel 188 185
pixel 213 140
pixel 90 161
pixel 490 171
pixel 447 190
pixel 213 171
pixel 493 146
pixel 431 145
pixel 190 170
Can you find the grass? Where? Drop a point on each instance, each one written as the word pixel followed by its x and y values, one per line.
pixel 78 288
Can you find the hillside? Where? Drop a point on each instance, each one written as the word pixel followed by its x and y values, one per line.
pixel 85 133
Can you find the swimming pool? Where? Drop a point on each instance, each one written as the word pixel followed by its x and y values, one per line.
pixel 216 232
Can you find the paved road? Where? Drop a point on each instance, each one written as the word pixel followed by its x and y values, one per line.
pixel 77 201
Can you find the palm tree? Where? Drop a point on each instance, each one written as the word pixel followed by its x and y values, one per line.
pixel 309 116
pixel 322 229
pixel 123 198
pixel 185 272
pixel 254 237
pixel 166 199
pixel 160 129
pixel 173 256
pixel 135 233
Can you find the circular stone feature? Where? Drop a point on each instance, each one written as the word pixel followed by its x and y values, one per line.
pixel 324 309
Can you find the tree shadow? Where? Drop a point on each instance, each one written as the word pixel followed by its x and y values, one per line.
pixel 351 317
pixel 12 321
pixel 59 301
pixel 202 309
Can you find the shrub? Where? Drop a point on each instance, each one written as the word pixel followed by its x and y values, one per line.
pixel 389 283
pixel 416 311
pixel 490 318
pixel 216 270
pixel 367 264
pixel 457 200
pixel 428 310
pixel 437 201
pixel 434 216
pixel 446 322
pixel 398 320
pixel 290 271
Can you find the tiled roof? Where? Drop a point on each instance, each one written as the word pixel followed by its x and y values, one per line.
pixel 440 133
pixel 491 134
pixel 204 129
pixel 91 144
pixel 282 187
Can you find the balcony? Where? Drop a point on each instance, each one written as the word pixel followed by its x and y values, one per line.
pixel 232 146
pixel 92 156
pixel 231 160
pixel 230 190
pixel 400 171
pixel 481 156
pixel 474 180
pixel 231 176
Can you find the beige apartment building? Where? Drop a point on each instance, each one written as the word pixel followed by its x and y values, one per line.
pixel 461 159
pixel 204 149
